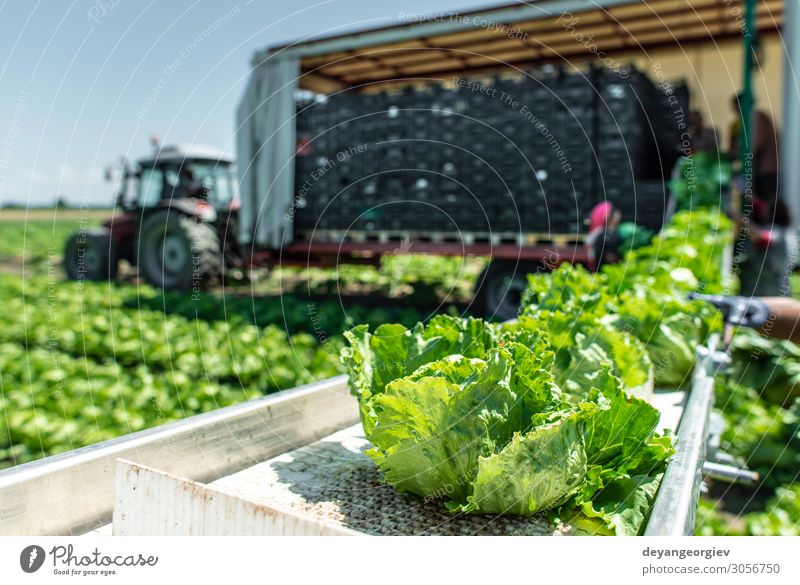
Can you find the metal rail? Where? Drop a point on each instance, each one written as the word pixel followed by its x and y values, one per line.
pixel 675 508
pixel 406 32
pixel 72 493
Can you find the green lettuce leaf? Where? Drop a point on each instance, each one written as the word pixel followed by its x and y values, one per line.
pixel 625 463
pixel 535 471
pixel 582 344
pixel 670 327
pixel 771 366
pixel 374 359
pixel 431 427
pixel 624 504
pixel 618 434
pixel 570 288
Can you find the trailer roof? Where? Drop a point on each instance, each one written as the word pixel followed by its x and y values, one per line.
pixel 184 152
pixel 519 34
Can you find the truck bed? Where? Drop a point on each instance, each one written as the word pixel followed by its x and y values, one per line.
pixel 329 484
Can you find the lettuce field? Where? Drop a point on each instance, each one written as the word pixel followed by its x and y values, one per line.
pixel 86 362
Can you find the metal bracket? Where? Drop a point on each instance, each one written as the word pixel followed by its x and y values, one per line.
pixel 729 473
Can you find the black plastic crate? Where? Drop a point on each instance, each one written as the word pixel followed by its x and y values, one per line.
pixel 436 142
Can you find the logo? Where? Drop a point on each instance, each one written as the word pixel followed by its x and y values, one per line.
pixel 31 558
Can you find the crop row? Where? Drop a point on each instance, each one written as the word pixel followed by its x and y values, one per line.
pixel 82 363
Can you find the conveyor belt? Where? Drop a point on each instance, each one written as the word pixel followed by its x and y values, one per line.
pixel 333 480
pixel 329 484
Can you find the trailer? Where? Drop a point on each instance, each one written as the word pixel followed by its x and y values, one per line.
pixel 377 160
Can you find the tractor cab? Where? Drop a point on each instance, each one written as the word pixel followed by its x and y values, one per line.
pixel 180 172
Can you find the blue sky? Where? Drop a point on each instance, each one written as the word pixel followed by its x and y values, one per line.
pixel 79 80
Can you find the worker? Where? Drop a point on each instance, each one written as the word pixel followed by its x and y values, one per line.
pixel 603 241
pixel 764 147
pixel 777 317
pixel 783 321
pixel 762 256
pixel 703 138
pixel 188 185
pixel 761 253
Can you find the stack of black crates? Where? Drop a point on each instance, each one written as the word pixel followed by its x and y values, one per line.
pixel 527 154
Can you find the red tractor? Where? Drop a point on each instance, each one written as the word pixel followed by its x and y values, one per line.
pixel 175 219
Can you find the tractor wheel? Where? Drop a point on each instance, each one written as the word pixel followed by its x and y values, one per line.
pixel 178 252
pixel 498 291
pixel 90 255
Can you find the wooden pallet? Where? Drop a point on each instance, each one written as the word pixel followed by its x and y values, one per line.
pixel 466 238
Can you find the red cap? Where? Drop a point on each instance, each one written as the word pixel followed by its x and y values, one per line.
pixel 600 215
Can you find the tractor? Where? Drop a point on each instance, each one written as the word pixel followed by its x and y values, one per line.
pixel 175 219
